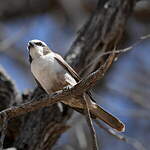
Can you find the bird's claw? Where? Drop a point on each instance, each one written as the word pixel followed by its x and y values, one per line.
pixel 66 88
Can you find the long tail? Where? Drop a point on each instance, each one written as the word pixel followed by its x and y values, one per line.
pixel 107 118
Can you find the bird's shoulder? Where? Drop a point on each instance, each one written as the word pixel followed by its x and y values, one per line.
pixel 67 67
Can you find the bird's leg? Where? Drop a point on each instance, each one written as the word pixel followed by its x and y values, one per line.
pixel 66 88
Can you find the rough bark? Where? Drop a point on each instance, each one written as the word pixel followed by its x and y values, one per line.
pixel 41 129
pixel 101 33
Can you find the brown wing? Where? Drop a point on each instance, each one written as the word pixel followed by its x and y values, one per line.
pixel 66 66
pixel 71 71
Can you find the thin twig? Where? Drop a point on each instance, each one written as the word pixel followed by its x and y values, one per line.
pixel 141 39
pixel 90 123
pixel 136 144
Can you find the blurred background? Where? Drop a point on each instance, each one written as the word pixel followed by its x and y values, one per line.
pixel 126 88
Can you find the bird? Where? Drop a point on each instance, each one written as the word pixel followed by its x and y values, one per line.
pixel 53 73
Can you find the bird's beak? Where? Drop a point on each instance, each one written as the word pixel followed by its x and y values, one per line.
pixel 30 45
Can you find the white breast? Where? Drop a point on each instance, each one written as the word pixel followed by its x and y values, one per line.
pixel 45 69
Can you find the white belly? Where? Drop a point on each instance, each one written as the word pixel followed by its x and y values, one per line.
pixel 45 69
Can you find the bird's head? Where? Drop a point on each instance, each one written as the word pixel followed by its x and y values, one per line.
pixel 37 48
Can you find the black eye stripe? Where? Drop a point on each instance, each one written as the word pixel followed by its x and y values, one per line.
pixel 39 44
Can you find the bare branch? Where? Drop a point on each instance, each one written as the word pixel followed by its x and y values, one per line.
pixel 58 96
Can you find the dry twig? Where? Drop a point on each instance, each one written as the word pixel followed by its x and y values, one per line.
pixel 90 123
pixel 136 144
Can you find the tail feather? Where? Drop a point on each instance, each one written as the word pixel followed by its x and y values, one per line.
pixel 108 118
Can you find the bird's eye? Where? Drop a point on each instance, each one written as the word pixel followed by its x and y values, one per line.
pixel 39 43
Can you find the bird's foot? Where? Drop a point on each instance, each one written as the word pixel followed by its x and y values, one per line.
pixel 66 88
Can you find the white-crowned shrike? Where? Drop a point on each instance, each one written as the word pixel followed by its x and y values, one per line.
pixel 53 73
